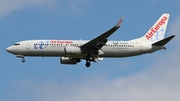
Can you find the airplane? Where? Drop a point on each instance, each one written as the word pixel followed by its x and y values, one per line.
pixel 73 51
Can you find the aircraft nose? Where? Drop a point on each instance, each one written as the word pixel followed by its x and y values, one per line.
pixel 9 49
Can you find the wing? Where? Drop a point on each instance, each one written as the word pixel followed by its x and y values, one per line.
pixel 97 43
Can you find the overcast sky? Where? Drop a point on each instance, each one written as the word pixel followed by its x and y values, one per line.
pixel 150 77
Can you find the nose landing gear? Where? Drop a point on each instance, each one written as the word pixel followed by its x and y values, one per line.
pixel 23 60
pixel 21 56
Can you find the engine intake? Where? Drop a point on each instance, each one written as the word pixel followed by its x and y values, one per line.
pixel 67 60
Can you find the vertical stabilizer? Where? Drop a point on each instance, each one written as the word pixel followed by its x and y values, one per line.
pixel 157 31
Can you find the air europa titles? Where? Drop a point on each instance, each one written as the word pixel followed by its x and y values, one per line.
pixel 60 42
pixel 156 28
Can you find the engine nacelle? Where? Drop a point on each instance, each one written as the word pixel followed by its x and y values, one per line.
pixel 67 60
pixel 72 50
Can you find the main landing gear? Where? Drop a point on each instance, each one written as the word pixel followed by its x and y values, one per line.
pixel 88 60
pixel 88 64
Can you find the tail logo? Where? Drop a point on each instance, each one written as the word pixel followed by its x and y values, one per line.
pixel 155 29
pixel 158 36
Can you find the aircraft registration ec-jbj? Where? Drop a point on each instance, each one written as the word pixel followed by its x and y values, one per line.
pixel 73 51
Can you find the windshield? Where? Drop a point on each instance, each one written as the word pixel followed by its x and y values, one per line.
pixel 16 44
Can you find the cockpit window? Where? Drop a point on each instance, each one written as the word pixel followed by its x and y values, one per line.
pixel 16 44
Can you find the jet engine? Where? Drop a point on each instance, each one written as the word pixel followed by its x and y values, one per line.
pixel 72 50
pixel 67 60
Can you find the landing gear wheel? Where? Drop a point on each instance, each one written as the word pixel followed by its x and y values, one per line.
pixel 23 60
pixel 88 64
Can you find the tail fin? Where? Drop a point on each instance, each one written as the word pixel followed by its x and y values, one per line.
pixel 157 31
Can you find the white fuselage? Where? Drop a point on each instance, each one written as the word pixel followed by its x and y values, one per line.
pixel 57 48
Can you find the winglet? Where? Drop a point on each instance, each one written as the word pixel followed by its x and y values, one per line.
pixel 120 21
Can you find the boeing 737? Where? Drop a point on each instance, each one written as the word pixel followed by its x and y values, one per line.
pixel 73 51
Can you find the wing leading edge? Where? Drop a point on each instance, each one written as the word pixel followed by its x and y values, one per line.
pixel 97 43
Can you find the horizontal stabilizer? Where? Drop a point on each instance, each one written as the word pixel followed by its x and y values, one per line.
pixel 164 41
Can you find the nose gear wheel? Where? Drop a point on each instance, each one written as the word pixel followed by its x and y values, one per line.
pixel 23 60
